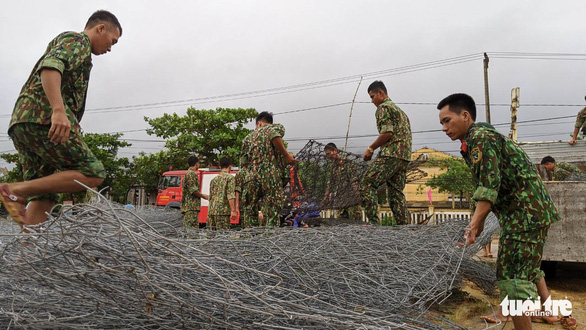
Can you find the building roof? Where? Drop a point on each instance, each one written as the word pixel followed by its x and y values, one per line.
pixel 561 151
pixel 431 154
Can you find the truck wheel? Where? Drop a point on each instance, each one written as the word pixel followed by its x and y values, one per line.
pixel 549 268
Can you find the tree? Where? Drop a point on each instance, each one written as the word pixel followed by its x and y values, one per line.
pixel 15 174
pixel 105 147
pixel 147 169
pixel 456 180
pixel 211 134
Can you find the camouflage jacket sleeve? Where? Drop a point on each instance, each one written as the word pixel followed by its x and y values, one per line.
pixel 485 158
pixel 384 120
pixel 191 182
pixel 276 130
pixel 231 188
pixel 581 118
pixel 238 182
pixel 71 52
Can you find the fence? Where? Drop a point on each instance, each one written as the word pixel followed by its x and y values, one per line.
pixel 430 216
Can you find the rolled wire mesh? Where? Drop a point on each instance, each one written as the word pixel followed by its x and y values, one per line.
pixel 320 182
pixel 103 266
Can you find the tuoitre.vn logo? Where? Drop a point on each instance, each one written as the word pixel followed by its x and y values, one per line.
pixel 530 307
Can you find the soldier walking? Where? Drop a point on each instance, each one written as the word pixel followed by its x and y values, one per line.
pixel 390 166
pixel 45 128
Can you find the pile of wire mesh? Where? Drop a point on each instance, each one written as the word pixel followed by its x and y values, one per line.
pixel 326 182
pixel 103 266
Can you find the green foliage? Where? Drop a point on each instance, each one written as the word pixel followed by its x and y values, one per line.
pixel 388 220
pixel 105 147
pixel 211 134
pixel 15 174
pixel 147 169
pixel 456 180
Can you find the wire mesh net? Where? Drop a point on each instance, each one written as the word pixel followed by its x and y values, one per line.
pixel 103 266
pixel 325 182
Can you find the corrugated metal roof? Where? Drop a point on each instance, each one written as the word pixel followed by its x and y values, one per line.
pixel 561 151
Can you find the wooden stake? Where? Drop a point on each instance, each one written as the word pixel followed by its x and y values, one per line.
pixel 350 116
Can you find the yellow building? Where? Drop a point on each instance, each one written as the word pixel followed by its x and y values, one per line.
pixel 416 192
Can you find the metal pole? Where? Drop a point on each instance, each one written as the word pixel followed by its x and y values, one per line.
pixel 515 92
pixel 486 96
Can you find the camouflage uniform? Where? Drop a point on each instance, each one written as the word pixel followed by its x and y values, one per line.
pixel 563 171
pixel 221 191
pixel 70 54
pixel 262 186
pixel 581 120
pixel 390 166
pixel 190 204
pixel 505 177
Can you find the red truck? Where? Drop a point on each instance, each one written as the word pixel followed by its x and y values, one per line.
pixel 171 188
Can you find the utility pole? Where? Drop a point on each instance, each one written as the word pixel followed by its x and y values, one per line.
pixel 515 93
pixel 486 97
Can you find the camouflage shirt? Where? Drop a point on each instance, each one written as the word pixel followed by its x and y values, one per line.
pixel 259 155
pixel 221 191
pixel 389 118
pixel 581 120
pixel 70 54
pixel 189 202
pixel 505 176
pixel 562 171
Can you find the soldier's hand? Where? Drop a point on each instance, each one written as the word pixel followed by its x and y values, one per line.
pixel 290 159
pixel 60 127
pixel 572 141
pixel 473 232
pixel 367 155
pixel 233 215
pixel 207 197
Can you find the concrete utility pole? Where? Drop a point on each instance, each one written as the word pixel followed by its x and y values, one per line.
pixel 515 93
pixel 486 97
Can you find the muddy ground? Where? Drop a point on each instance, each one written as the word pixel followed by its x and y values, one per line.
pixel 467 304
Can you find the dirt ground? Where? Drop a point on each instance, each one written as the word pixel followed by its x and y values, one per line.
pixel 467 305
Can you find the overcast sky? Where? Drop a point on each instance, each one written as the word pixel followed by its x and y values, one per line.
pixel 202 53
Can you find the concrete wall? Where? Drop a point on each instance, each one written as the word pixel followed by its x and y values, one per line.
pixel 567 238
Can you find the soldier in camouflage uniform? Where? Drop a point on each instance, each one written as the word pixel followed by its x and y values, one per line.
pixel 558 171
pixel 580 123
pixel 508 185
pixel 263 155
pixel 390 166
pixel 191 195
pixel 45 125
pixel 222 207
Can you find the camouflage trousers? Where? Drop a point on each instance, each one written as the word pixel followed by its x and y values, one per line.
pixel 263 194
pixel 218 222
pixel 40 157
pixel 518 263
pixel 191 219
pixel 392 172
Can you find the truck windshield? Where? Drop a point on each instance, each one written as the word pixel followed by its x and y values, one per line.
pixel 170 181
